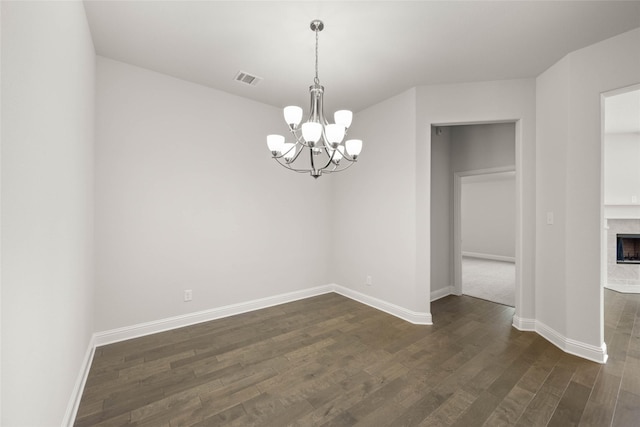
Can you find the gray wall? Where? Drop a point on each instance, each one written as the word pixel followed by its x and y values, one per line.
pixel 568 183
pixel 488 216
pixel 48 98
pixel 482 146
pixel 188 198
pixel 383 206
pixel 373 225
pixel 495 101
pixel 622 168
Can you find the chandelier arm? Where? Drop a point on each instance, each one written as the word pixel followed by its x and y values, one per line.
pixel 284 165
pixel 335 169
pixel 330 159
pixel 348 157
pixel 326 170
pixel 283 154
pixel 299 139
pixel 279 157
pixel 297 155
pixel 344 155
pixel 313 164
pixel 294 157
pixel 323 137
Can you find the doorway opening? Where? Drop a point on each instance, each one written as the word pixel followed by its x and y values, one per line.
pixel 486 232
pixel 621 191
pixel 473 166
pixel 620 198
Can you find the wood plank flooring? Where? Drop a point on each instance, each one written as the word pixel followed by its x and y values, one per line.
pixel 330 361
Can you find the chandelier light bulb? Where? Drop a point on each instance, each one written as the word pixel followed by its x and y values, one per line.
pixel 337 154
pixel 311 132
pixel 343 117
pixel 292 115
pixel 288 151
pixel 334 134
pixel 354 147
pixel 275 143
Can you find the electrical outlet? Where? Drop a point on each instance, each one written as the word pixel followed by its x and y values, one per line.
pixel 188 295
pixel 549 218
pixel 368 281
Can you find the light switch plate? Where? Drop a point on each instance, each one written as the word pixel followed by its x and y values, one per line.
pixel 549 218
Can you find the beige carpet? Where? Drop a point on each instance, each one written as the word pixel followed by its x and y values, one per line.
pixel 489 280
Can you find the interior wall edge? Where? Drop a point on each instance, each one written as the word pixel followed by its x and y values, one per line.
pixel 443 292
pixel 78 388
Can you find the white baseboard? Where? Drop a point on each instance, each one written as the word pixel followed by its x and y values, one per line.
pixel 568 345
pixel 441 293
pixel 587 351
pixel 522 324
pixel 418 318
pixel 78 388
pixel 161 325
pixel 489 256
pixel 623 288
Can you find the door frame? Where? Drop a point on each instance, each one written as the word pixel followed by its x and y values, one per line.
pixel 603 220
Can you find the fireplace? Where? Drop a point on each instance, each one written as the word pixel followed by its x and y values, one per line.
pixel 623 274
pixel 628 248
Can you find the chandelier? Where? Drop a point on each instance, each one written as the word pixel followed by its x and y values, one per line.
pixel 324 141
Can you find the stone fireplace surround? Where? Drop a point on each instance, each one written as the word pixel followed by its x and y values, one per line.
pixel 621 277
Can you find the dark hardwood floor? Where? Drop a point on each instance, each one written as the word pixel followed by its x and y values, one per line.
pixel 331 361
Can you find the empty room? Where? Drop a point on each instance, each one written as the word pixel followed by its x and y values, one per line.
pixel 265 213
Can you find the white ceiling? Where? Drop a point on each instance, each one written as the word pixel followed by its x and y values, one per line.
pixel 369 50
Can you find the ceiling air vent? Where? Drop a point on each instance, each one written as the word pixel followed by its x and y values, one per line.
pixel 247 78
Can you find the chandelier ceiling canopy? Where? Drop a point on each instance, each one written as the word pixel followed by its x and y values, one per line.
pixel 324 142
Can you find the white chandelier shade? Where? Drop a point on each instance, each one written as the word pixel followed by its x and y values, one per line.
pixel 325 142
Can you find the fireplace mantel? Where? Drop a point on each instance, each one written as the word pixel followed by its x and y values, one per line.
pixel 631 211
